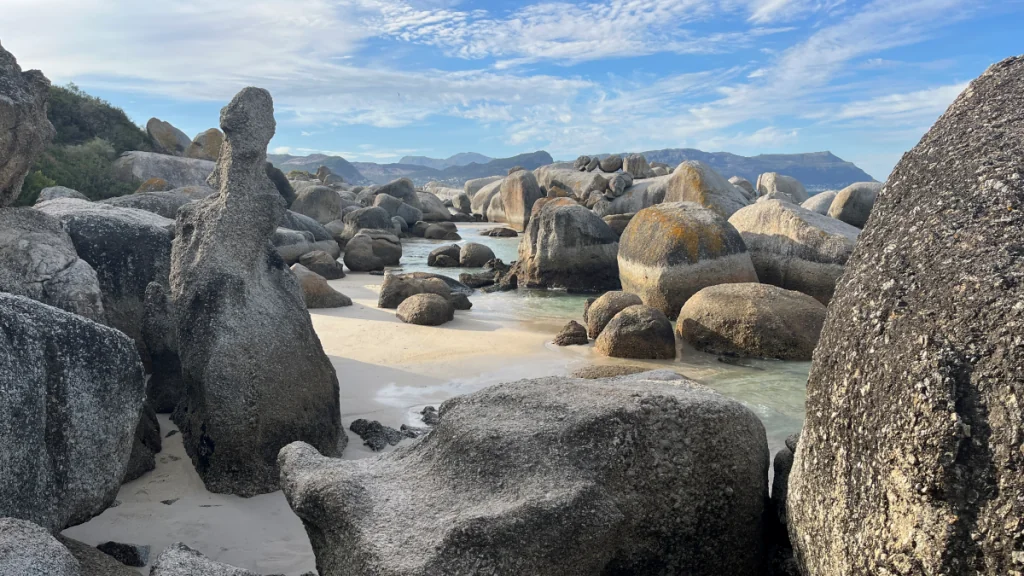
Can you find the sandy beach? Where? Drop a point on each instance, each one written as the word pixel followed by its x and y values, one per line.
pixel 388 371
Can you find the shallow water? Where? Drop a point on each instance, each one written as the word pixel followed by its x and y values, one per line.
pixel 774 390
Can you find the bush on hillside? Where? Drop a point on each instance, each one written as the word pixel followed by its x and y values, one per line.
pixel 79 118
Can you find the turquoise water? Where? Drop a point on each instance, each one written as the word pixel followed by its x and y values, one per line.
pixel 774 390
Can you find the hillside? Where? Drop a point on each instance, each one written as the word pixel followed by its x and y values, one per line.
pixel 310 163
pixel 452 176
pixel 461 159
pixel 816 170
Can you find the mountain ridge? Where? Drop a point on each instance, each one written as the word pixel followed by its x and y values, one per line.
pixel 460 159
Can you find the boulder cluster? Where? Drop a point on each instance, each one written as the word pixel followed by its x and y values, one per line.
pixel 191 297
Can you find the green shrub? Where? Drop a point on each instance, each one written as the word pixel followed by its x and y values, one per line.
pixel 79 118
pixel 87 168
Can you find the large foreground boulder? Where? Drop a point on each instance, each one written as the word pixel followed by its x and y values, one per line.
pixel 128 248
pixel 72 391
pixel 795 248
pixel 694 181
pixel 29 550
pixel 671 251
pixel 518 193
pixel 752 320
pixel 567 246
pixel 910 457
pixel 549 477
pixel 243 328
pixel 853 204
pixel 25 131
pixel 38 261
pixel 137 167
pixel 640 332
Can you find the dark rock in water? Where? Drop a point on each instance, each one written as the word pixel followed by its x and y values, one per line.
pixel 413 431
pixel 445 261
pixel 146 445
pixel 574 334
pixel 38 260
pixel 426 310
pixel 323 264
pixel 92 562
pixel 640 332
pixel 435 232
pixel 376 435
pixel 72 391
pixel 128 248
pixel 474 255
pixel 25 131
pixel 166 385
pixel 636 477
pixel 460 301
pixel 29 550
pixel 376 272
pixel 500 232
pixel 909 461
pixel 601 311
pixel 128 554
pixel 613 371
pixel 478 279
pixel 430 416
pixel 567 246
pixel 284 187
pixel 450 251
pixel 180 560
pixel 238 307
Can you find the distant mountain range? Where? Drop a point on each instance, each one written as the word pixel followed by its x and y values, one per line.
pixel 461 159
pixel 816 170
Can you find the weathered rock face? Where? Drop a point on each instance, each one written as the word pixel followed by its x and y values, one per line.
pixel 323 264
pixel 444 256
pixel 820 202
pixel 92 562
pixel 145 446
pixel 180 560
pixel 778 187
pixel 167 138
pixel 471 187
pixel 166 385
pixel 567 246
pixel 426 310
pixel 398 287
pixel 752 320
pixel 853 204
pixel 296 221
pixel 206 146
pixel 611 164
pixel 372 218
pixel 29 550
pixel 128 248
pixel 636 164
pixel 316 291
pixel 671 251
pixel 573 334
pixel 72 394
pixel 743 184
pixel 136 167
pixel 238 307
pixel 695 181
pixel 474 255
pixel 163 204
pixel 624 486
pixel 482 199
pixel 794 248
pixel 321 203
pixel 462 203
pixel 601 312
pixel 518 193
pixel 403 189
pixel 640 332
pixel 433 208
pixel 372 250
pixel 643 194
pixel 910 457
pixel 55 192
pixel 25 131
pixel 38 261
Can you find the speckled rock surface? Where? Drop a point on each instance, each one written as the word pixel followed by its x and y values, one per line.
pixel 29 550
pixel 694 181
pixel 180 560
pixel 639 332
pixel 426 309
pixel 671 251
pixel 795 248
pixel 474 255
pixel 39 261
pixel 910 457
pixel 321 203
pixel 164 204
pixel 243 327
pixel 752 320
pixel 853 204
pixel 166 384
pixel 548 477
pixel 372 250
pixel 54 192
pixel 72 391
pixel 316 291
pixel 323 264
pixel 573 334
pixel 128 248
pixel 601 312
pixel 518 193
pixel 25 131
pixel 92 562
pixel 206 145
pixel 567 246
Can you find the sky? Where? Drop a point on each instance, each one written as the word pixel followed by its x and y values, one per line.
pixel 374 80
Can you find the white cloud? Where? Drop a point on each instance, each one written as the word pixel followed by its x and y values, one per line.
pixel 902 108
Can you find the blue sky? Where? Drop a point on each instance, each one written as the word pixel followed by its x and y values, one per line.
pixel 373 80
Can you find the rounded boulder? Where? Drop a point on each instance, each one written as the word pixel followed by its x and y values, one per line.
pixel 426 310
pixel 639 332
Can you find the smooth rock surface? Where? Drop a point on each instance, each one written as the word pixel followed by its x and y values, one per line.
pixel 426 310
pixel 820 202
pixel 776 186
pixel 136 167
pixel 639 332
pixel 518 193
pixel 853 204
pixel 694 181
pixel 567 246
pixel 601 312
